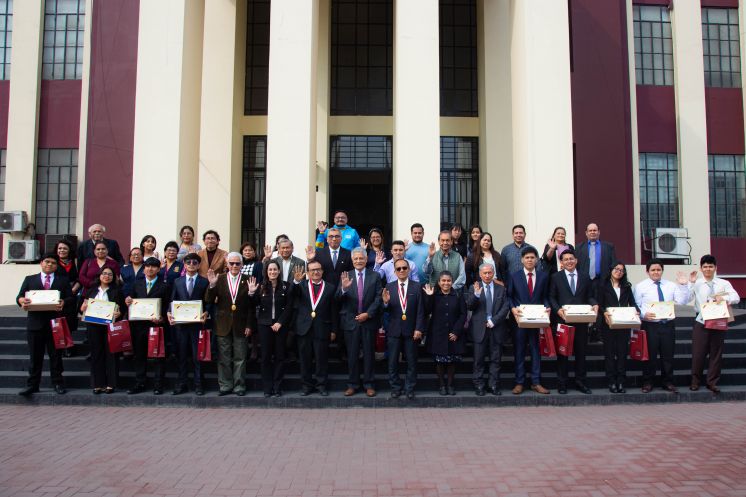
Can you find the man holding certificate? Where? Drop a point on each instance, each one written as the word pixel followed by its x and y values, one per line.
pixel 655 297
pixel 710 291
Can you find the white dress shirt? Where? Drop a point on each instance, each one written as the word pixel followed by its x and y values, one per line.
pixel 702 294
pixel 646 292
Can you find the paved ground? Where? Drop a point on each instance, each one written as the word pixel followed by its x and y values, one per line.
pixel 679 450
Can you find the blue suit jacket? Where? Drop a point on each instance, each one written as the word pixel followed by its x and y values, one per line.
pixel 518 289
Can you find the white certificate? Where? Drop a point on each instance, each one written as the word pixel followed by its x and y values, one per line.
pixel 623 317
pixel 99 311
pixel 662 310
pixel 533 312
pixel 144 309
pixel 43 300
pixel 715 310
pixel 186 311
pixel 580 313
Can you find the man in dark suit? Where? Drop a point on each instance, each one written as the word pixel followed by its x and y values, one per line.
pixel 595 256
pixel 359 297
pixel 192 287
pixel 150 287
pixel 96 234
pixel 38 326
pixel 235 320
pixel 316 323
pixel 489 306
pixel 571 287
pixel 334 259
pixel 402 299
pixel 528 286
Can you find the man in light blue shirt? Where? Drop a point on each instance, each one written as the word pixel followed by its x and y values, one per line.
pixel 386 269
pixel 350 238
pixel 416 250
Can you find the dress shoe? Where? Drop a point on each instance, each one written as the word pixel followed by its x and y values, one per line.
pixel 98 391
pixel 562 389
pixel 670 388
pixel 323 392
pixel 277 394
pixel 713 388
pixel 518 389
pixel 198 391
pixel 59 389
pixel 136 389
pixel 109 390
pixel 495 391
pixel 26 392
pixel 479 391
pixel 647 388
pixel 539 389
pixel 370 392
pixel 620 388
pixel 580 387
pixel 410 395
pixel 443 390
pixel 395 394
pixel 612 388
pixel 157 390
pixel 223 393
pixel 451 390
pixel 179 390
pixel 349 392
pixel 240 393
pixel 305 392
pixel 695 385
pixel 267 395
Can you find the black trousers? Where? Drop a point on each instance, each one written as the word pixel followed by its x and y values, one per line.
pixel 104 365
pixel 38 342
pixel 579 347
pixel 308 349
pixel 139 333
pixel 273 357
pixel 394 346
pixel 707 343
pixel 186 338
pixel 365 337
pixel 616 348
pixel 661 342
pixel 492 345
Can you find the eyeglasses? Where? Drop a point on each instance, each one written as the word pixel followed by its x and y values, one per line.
pixel 315 270
pixel 402 268
pixel 108 275
pixel 234 263
pixel 191 262
pixel 621 270
pixel 334 236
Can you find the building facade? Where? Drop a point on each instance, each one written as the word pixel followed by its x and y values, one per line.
pixel 259 117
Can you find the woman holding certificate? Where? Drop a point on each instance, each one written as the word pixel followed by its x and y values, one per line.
pixel 104 367
pixel 91 268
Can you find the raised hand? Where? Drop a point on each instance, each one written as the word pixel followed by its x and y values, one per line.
pixel 477 289
pixel 212 277
pixel 552 244
pixel 385 296
pixel 380 257
pixel 428 289
pixel 310 253
pixel 267 251
pixel 346 281
pixel 407 243
pixel 321 226
pixel 431 250
pixel 693 276
pixel 363 244
pixel 298 273
pixel 252 284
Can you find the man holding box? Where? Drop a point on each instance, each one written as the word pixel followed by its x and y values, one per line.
pixel 38 324
pixel 571 287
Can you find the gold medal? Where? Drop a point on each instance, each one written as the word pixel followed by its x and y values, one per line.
pixel 403 317
pixel 233 307
pixel 313 314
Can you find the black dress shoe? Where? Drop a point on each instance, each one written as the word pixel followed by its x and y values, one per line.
pixel 199 391
pixel 240 393
pixel 157 390
pixel 136 389
pixel 562 389
pixel 59 389
pixel 395 394
pixel 410 395
pixel 583 389
pixel 267 395
pixel 223 393
pixel 179 390
pixel 613 388
pixel 323 392
pixel 479 391
pixel 443 390
pixel 278 393
pixel 620 388
pixel 671 388
pixel 26 392
pixel 495 391
pixel 451 390
pixel 305 392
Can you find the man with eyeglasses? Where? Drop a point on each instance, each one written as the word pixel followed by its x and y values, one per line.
pixel 349 237
pixel 192 287
pixel 96 234
pixel 402 300
pixel 334 258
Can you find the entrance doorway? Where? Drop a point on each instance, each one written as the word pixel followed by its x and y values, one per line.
pixel 366 198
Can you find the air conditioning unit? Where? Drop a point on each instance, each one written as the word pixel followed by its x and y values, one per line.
pixel 22 251
pixel 671 243
pixel 51 240
pixel 13 221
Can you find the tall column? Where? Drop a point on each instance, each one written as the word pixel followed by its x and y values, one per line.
pixel 83 130
pixel 23 109
pixel 542 118
pixel 691 124
pixel 416 144
pixel 291 121
pixel 322 111
pixel 167 115
pixel 220 142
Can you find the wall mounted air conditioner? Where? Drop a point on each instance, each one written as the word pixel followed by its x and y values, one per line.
pixel 22 251
pixel 671 243
pixel 13 221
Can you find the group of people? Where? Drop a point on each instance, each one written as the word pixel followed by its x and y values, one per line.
pixel 348 288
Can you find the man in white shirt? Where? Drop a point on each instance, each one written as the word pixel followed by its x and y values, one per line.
pixel 705 341
pixel 660 331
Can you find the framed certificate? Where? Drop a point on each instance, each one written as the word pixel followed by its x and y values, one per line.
pixel 99 311
pixel 579 314
pixel 43 300
pixel 622 318
pixel 662 310
pixel 715 310
pixel 186 311
pixel 533 316
pixel 144 309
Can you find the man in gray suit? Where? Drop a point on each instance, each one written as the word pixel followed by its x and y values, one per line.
pixel 359 297
pixel 489 306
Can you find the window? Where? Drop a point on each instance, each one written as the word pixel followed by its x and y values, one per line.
pixel 459 180
pixel 360 152
pixel 56 191
pixel 253 199
pixel 64 23
pixel 653 45
pixel 361 57
pixel 458 58
pixel 659 192
pixel 727 195
pixel 257 57
pixel 2 179
pixel 721 47
pixel 6 32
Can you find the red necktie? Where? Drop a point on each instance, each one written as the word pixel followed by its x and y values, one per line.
pixel 530 285
pixel 47 282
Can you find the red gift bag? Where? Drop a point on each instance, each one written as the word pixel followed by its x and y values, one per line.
pixel 204 352
pixel 156 343
pixel 381 340
pixel 717 324
pixel 120 338
pixel 61 334
pixel 638 345
pixel 546 343
pixel 565 339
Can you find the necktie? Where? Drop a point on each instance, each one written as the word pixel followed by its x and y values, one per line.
pixel 150 286
pixel 359 292
pixel 572 283
pixel 592 255
pixel 711 285
pixel 334 258
pixel 488 301
pixel 530 285
pixel 660 292
pixel 47 282
pixel 190 286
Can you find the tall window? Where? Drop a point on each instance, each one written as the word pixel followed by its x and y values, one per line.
pixel 459 180
pixel 2 179
pixel 253 199
pixel 721 46
pixel 653 45
pixel 257 57
pixel 64 24
pixel 727 195
pixel 361 57
pixel 458 58
pixel 6 33
pixel 56 191
pixel 659 192
pixel 360 152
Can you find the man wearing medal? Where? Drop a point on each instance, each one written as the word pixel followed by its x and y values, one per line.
pixel 234 322
pixel 315 325
pixel 402 299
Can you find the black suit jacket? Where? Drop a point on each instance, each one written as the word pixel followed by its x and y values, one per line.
pixel 283 299
pixel 115 294
pixel 560 293
pixel 518 289
pixel 371 301
pixel 85 251
pixel 415 310
pixel 40 320
pixel 606 297
pixel 608 256
pixel 332 274
pixel 160 290
pixel 327 316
